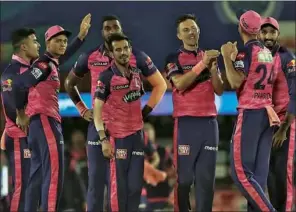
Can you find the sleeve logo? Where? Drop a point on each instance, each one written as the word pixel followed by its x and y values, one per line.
pixel 171 67
pixel 36 72
pixel 149 62
pixel 239 64
pixel 100 87
pixel 291 66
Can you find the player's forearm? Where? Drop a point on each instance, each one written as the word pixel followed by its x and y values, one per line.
pixel 72 48
pixel 217 83
pixel 182 82
pixel 155 160
pixel 287 122
pixel 99 124
pixel 234 78
pixel 72 90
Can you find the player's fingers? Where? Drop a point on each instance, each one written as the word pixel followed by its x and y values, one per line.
pixel 235 43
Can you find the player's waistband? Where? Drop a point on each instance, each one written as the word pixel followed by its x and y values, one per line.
pixel 37 117
pixel 158 199
pixel 197 117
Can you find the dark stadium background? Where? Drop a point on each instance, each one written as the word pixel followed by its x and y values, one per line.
pixel 151 26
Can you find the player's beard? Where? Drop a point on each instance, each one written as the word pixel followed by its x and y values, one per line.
pixel 123 60
pixel 269 43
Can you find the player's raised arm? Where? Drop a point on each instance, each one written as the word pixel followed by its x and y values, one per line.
pixel 154 77
pixel 234 72
pixel 77 42
pixel 73 79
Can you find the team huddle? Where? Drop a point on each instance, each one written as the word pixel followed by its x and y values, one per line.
pixel 263 140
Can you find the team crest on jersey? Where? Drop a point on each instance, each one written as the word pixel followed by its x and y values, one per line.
pixel 183 149
pixel 27 153
pixel 264 57
pixel 132 96
pixel 6 85
pixel 239 64
pixel 121 154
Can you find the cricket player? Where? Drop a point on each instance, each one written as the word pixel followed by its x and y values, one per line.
pixel 45 134
pixel 26 49
pixel 252 74
pixel 281 170
pixel 93 62
pixel 120 89
pixel 195 78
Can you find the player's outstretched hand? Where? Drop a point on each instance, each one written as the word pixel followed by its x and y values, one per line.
pixel 107 149
pixel 278 138
pixel 209 56
pixel 84 26
pixel 22 122
pixel 88 115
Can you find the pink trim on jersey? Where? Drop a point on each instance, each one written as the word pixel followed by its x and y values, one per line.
pixel 21 60
pixel 290 169
pixel 113 181
pixel 239 169
pixel 15 201
pixel 175 142
pixel 54 163
pixel 23 69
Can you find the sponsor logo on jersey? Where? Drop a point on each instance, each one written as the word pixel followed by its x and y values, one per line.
pixel 98 63
pixel 6 85
pixel 27 153
pixel 183 149
pixel 265 57
pixel 132 96
pixel 120 87
pixel 36 72
pixel 121 154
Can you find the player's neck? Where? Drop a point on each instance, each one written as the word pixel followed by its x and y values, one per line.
pixel 122 68
pixel 23 56
pixel 189 47
pixel 246 39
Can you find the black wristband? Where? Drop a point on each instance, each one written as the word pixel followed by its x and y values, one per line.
pixel 146 110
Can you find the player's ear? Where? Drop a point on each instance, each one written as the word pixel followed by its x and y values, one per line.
pixel 179 36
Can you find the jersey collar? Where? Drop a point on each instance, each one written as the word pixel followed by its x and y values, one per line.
pixel 20 60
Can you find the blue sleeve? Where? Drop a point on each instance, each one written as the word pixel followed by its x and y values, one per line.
pixel 290 72
pixel 37 73
pixel 81 66
pixel 103 85
pixel 243 60
pixel 144 63
pixel 172 66
pixel 72 48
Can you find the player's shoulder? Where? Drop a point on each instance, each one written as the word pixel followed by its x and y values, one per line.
pixel 43 62
pixel 284 52
pixel 107 74
pixel 139 54
pixel 173 56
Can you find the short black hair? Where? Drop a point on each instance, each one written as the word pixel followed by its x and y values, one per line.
pixel 110 18
pixel 18 35
pixel 117 37
pixel 185 17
